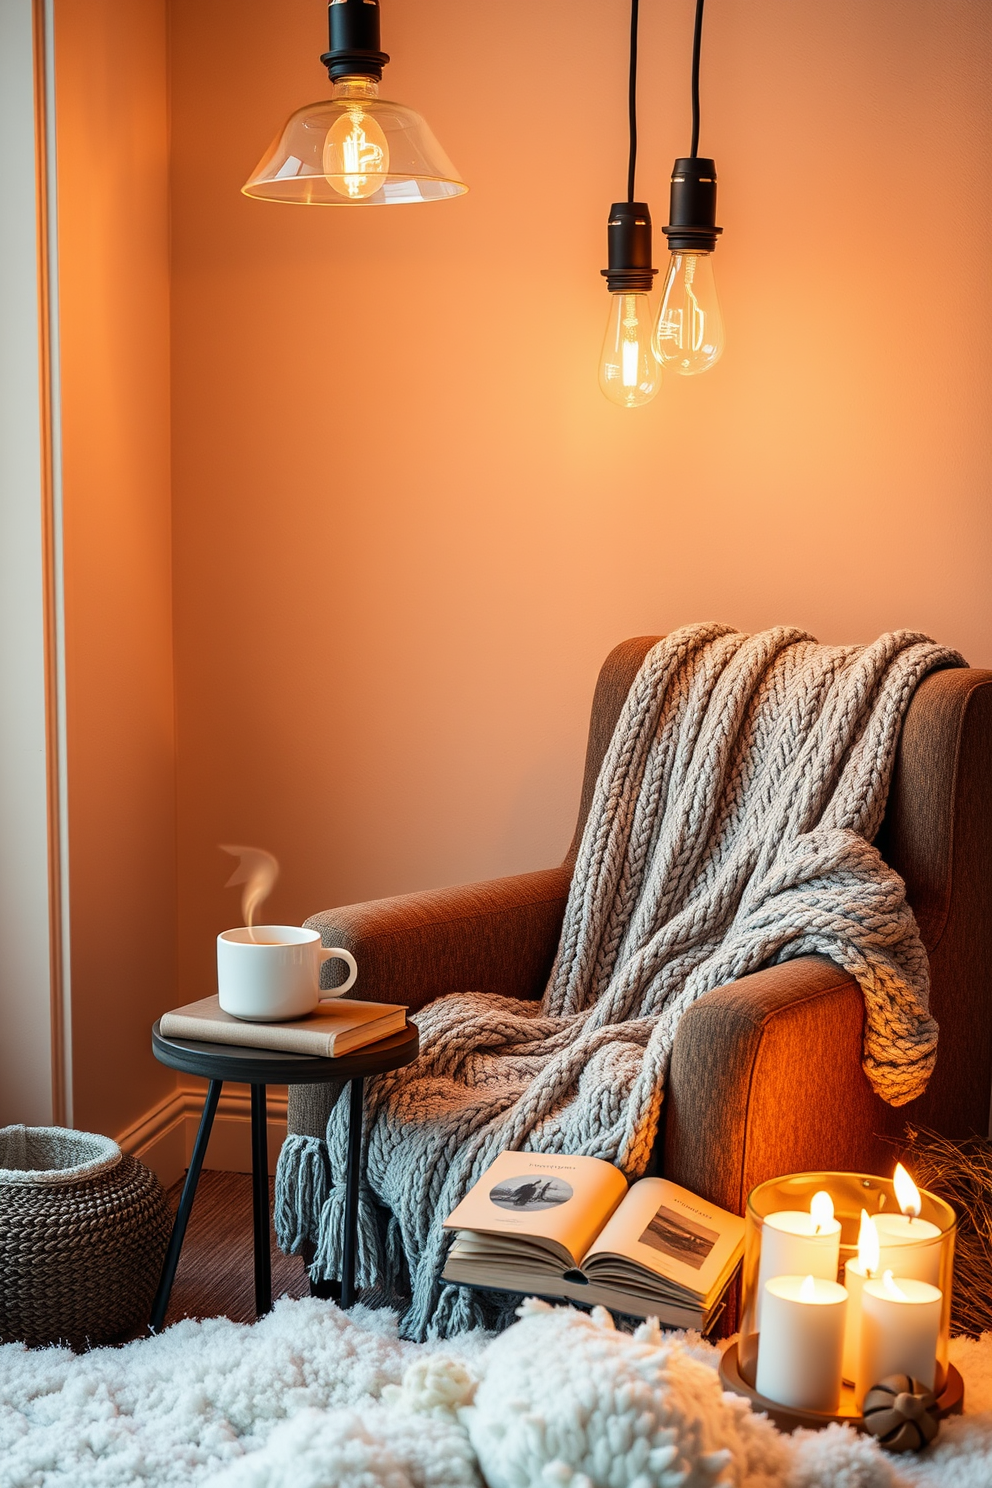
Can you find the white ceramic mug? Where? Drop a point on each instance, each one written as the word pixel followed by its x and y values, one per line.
pixel 272 972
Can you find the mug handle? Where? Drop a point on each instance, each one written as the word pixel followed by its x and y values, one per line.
pixel 329 954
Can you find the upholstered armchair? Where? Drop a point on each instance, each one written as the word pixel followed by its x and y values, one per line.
pixel 766 1073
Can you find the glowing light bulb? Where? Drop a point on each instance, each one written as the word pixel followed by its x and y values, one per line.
pixel 356 155
pixel 628 374
pixel 688 336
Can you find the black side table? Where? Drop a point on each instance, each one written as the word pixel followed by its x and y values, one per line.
pixel 258 1068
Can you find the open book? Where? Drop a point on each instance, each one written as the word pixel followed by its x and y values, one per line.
pixel 570 1227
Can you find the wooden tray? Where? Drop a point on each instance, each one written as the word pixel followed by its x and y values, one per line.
pixel 950 1401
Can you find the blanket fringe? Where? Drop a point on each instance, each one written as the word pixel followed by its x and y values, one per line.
pixel 394 1257
pixel 457 1310
pixel 302 1183
pixel 328 1261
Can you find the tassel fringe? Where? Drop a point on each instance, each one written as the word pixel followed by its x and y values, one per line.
pixel 328 1261
pixel 302 1183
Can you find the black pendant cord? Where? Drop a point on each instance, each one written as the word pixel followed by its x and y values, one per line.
pixel 697 42
pixel 632 101
pixel 691 226
pixel 629 227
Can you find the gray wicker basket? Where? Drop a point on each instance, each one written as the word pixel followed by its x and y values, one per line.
pixel 83 1231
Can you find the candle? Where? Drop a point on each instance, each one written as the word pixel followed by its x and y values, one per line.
pixel 794 1243
pixel 801 1342
pixel 910 1245
pixel 856 1272
pixel 900 1322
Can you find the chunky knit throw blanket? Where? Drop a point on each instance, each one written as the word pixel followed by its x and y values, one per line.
pixel 731 828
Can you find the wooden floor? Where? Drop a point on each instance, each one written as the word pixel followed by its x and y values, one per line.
pixel 215 1276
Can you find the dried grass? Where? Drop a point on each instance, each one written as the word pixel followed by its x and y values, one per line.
pixel 961 1173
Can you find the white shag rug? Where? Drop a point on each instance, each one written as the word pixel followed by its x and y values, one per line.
pixel 313 1398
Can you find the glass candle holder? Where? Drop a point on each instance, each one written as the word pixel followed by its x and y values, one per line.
pixel 850 1192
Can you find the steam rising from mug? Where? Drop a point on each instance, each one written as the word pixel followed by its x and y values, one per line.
pixel 258 871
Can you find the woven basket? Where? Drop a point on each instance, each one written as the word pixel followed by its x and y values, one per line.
pixel 83 1231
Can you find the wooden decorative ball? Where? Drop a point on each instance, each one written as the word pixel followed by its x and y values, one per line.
pixel 901 1414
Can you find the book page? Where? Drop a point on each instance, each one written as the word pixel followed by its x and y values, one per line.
pixel 672 1233
pixel 563 1199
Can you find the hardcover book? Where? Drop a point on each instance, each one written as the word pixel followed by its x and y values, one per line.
pixel 338 1027
pixel 570 1228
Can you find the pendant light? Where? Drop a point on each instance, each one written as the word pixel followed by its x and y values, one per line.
pixel 688 336
pixel 629 374
pixel 355 149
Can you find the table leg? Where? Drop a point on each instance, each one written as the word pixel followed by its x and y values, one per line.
pixel 351 1192
pixel 161 1303
pixel 260 1200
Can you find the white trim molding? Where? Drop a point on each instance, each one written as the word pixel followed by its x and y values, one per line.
pixel 163 1137
pixel 34 1082
pixel 54 547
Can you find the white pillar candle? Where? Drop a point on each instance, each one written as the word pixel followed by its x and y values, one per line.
pixel 909 1247
pixel 900 1321
pixel 801 1342
pixel 855 1276
pixel 861 1268
pixel 794 1243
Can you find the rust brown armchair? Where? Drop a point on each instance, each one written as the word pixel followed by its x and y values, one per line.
pixel 766 1073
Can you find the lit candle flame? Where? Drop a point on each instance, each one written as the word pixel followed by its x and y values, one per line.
pixel 906 1192
pixel 807 1292
pixel 869 1249
pixel 891 1290
pixel 822 1209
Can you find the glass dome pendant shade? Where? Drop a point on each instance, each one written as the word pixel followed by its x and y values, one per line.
pixel 355 148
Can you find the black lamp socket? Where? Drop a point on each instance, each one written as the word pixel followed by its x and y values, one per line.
pixel 354 48
pixel 692 227
pixel 629 244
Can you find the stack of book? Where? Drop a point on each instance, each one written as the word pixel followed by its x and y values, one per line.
pixel 337 1027
pixel 570 1228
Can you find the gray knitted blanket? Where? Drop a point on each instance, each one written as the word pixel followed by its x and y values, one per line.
pixel 731 829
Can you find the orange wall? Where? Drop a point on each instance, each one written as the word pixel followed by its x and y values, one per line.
pixel 408 526
pixel 112 142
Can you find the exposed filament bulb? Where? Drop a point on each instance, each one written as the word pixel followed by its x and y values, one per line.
pixel 356 155
pixel 688 336
pixel 628 373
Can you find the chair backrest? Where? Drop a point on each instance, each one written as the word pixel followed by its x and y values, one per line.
pixel 937 834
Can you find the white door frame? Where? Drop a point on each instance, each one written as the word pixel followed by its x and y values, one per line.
pixel 35 1071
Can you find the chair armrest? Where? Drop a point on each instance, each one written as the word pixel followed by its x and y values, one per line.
pixel 937 835
pixel 497 936
pixel 766 1079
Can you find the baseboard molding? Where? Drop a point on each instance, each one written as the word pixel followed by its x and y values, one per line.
pixel 163 1137
pixel 159 1137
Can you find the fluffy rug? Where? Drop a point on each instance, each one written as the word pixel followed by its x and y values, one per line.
pixel 312 1398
